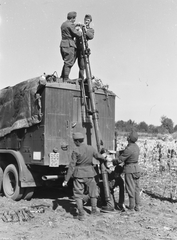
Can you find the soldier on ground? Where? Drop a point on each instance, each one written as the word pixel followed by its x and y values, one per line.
pixel 82 169
pixel 67 45
pixel 115 180
pixel 131 169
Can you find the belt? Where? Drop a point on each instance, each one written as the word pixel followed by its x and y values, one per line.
pixel 67 39
pixel 86 165
pixel 131 163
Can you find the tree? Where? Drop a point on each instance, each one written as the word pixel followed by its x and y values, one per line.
pixel 152 129
pixel 167 123
pixel 120 125
pixel 165 127
pixel 162 130
pixel 130 125
pixel 143 127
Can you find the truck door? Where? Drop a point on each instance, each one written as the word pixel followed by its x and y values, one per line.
pixel 58 123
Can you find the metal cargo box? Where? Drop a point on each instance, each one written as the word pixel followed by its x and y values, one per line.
pixel 48 116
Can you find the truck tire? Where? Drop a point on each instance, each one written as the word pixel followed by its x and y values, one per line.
pixel 11 185
pixel 2 167
pixel 1 181
pixel 28 193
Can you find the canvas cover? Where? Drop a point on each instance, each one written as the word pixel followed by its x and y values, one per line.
pixel 20 106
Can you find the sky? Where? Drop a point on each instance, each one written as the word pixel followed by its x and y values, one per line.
pixel 134 49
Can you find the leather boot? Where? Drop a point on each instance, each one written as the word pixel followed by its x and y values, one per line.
pixel 131 203
pixel 66 72
pixel 86 199
pixel 81 74
pixel 108 208
pixel 137 198
pixel 80 208
pixel 62 73
pixel 94 206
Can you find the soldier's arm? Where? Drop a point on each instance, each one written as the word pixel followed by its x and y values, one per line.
pixel 74 31
pixel 98 156
pixel 90 34
pixel 122 157
pixel 125 155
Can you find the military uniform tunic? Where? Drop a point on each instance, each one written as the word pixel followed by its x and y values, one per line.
pixel 132 173
pixel 82 169
pixel 68 46
pixel 79 55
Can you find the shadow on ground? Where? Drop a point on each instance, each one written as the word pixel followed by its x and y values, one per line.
pixel 67 204
pixel 160 197
pixel 52 193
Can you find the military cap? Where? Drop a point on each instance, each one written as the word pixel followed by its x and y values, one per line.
pixel 78 135
pixel 71 15
pixel 88 16
pixel 133 136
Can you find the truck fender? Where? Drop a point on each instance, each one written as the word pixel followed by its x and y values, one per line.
pixel 25 176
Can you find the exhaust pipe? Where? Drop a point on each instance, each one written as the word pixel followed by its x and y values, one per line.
pixel 51 177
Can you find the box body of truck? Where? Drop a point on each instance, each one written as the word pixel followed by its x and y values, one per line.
pixel 38 119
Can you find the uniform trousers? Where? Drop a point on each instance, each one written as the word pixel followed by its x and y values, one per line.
pixel 133 189
pixel 81 64
pixel 79 185
pixel 69 57
pixel 118 182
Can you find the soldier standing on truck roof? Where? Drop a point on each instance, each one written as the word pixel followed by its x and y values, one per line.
pixel 67 45
pixel 132 170
pixel 82 169
pixel 89 36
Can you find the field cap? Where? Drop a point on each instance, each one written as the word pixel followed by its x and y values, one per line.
pixel 78 135
pixel 71 15
pixel 88 16
pixel 133 136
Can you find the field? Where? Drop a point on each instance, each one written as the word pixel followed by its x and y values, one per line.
pixel 52 210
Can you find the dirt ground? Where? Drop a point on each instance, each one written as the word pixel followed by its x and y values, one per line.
pixel 157 219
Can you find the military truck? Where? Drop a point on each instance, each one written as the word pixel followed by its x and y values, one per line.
pixel 37 120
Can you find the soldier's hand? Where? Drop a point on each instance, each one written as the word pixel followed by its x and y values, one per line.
pixel 121 164
pixel 78 28
pixel 64 184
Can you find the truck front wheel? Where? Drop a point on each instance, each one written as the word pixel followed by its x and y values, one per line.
pixel 11 185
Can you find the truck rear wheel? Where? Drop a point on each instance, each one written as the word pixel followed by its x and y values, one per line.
pixel 11 185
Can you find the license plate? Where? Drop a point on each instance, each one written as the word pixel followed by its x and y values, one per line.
pixel 54 159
